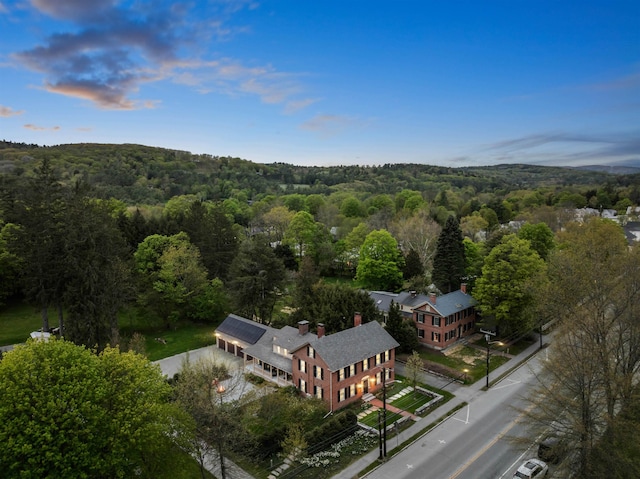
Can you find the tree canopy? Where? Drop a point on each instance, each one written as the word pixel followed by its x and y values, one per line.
pixel 381 262
pixel 67 412
pixel 505 290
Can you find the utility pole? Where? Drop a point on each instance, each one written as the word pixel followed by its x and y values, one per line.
pixel 384 411
pixel 381 456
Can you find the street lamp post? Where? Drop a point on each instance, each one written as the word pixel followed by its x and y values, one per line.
pixel 487 336
pixel 220 389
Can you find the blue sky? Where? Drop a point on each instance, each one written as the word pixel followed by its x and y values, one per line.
pixel 329 82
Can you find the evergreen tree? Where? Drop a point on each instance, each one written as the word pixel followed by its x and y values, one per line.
pixel 96 274
pixel 39 210
pixel 402 330
pixel 449 260
pixel 335 305
pixel 212 232
pixel 257 275
pixel 412 265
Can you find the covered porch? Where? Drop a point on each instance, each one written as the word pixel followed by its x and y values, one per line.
pixel 268 371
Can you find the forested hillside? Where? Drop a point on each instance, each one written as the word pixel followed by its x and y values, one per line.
pixel 139 174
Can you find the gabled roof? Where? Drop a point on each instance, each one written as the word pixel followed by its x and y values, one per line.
pixel 412 300
pixel 445 305
pixel 244 329
pixel 261 338
pixel 347 347
pixel 451 303
pixel 383 299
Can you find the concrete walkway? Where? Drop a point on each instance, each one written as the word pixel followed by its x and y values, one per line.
pixel 462 394
pixel 377 404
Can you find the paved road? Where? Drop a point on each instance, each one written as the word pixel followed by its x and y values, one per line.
pixel 464 394
pixel 454 448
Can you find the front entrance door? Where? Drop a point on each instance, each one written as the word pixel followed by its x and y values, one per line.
pixel 365 385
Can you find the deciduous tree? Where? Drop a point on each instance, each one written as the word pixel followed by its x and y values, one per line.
pixel 67 412
pixel 413 368
pixel 505 289
pixel 540 236
pixel 380 262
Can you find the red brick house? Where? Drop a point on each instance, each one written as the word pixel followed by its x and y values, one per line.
pixel 338 368
pixel 440 320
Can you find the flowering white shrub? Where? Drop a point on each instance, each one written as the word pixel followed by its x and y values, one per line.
pixel 359 442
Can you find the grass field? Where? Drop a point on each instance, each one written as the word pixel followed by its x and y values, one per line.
pixel 18 320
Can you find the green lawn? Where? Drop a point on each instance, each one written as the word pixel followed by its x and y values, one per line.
pixel 18 320
pixel 185 338
pixel 371 419
pixel 476 369
pixel 412 401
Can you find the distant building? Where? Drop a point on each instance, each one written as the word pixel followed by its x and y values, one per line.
pixel 440 320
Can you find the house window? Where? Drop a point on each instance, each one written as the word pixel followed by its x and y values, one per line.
pixel 302 366
pixel 352 390
pixel 342 395
pixel 318 372
pixel 318 392
pixel 378 377
pixel 341 375
pixel 386 355
pixel 435 337
pixel 435 321
pixel 420 318
pixel 421 333
pixel 311 352
pixel 388 374
pixel 365 364
pixel 378 359
pixel 352 370
pixel 302 385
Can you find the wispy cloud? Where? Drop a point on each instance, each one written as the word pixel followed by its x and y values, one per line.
pixel 6 111
pixel 3 9
pixel 296 105
pixel 30 126
pixel 330 125
pixel 626 82
pixel 564 148
pixel 116 49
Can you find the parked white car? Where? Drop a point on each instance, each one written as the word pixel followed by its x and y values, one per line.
pixel 532 468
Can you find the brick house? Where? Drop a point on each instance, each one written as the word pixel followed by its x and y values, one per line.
pixel 440 320
pixel 339 368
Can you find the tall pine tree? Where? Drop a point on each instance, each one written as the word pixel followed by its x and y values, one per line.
pixel 449 261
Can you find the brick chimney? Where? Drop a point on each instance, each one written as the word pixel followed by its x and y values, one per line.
pixel 463 288
pixel 357 319
pixel 432 298
pixel 320 330
pixel 303 327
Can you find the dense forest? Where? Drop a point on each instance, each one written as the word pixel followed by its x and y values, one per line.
pixel 139 174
